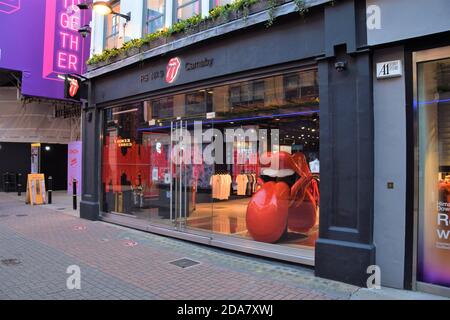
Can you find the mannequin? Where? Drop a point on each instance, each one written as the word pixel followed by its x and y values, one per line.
pixel 314 165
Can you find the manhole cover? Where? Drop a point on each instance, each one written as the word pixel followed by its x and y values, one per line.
pixel 4 215
pixel 21 215
pixel 184 263
pixel 61 209
pixel 10 262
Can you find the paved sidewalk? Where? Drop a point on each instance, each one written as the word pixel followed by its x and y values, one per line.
pixel 38 244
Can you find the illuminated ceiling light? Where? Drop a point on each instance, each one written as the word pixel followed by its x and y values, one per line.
pixel 102 7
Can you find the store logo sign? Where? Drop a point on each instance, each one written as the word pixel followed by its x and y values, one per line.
pixel 172 70
pixel 73 89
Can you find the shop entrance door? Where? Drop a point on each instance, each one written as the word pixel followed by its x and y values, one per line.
pixel 192 168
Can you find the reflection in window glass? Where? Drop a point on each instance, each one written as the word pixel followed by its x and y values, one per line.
pixel 155 15
pixel 112 25
pixel 188 10
pixel 219 3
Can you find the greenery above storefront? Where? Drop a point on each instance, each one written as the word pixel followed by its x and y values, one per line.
pixel 239 9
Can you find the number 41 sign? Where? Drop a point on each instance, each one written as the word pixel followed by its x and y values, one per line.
pixel 390 69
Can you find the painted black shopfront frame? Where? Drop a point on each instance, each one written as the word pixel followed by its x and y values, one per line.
pixel 329 34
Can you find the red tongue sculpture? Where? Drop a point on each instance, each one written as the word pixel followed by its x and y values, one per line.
pixel 275 206
pixel 268 211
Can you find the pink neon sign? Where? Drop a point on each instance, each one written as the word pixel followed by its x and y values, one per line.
pixel 64 48
pixel 9 6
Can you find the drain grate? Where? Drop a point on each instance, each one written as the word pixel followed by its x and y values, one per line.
pixel 21 215
pixel 184 263
pixel 61 209
pixel 10 262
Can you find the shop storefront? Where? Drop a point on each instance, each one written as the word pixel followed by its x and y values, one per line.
pixel 258 141
pixel 411 226
pixel 199 165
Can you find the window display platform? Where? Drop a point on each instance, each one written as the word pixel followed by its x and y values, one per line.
pixel 229 218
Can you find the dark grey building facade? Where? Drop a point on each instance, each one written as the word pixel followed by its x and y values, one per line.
pixel 310 77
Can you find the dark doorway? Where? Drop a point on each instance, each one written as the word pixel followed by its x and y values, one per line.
pixel 14 159
pixel 54 164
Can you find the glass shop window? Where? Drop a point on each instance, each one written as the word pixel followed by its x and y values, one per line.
pixel 112 27
pixel 186 9
pixel 154 15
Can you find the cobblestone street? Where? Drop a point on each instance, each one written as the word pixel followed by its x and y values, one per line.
pixel 38 244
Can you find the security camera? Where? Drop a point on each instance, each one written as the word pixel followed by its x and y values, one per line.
pixel 340 66
pixel 85 31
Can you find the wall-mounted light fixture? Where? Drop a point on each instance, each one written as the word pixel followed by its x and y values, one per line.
pixel 103 8
pixel 85 31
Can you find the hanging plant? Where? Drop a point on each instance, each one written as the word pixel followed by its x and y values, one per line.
pixel 301 6
pixel 271 12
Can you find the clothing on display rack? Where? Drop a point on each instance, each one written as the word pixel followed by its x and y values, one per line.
pixel 242 181
pixel 221 186
pixel 246 184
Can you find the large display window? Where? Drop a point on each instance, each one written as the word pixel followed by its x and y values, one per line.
pixel 433 187
pixel 239 159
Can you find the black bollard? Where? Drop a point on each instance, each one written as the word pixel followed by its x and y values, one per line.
pixel 19 184
pixel 6 181
pixel 74 188
pixel 50 189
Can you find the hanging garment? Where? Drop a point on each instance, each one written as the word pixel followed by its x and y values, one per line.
pixel 255 183
pixel 242 182
pixel 249 190
pixel 215 185
pixel 221 186
pixel 225 187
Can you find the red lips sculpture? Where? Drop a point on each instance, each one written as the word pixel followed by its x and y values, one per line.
pixel 275 207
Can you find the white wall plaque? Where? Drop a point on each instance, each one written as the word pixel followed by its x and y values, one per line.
pixel 389 69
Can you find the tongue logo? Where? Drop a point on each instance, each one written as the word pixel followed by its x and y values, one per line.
pixel 172 70
pixel 73 89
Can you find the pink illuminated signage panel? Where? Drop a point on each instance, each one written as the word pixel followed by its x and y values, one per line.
pixel 42 41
